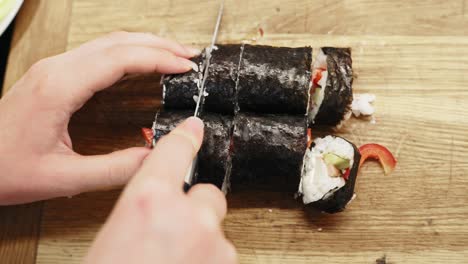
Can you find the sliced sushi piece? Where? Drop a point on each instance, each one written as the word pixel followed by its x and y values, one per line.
pixel 267 151
pixel 274 79
pixel 331 93
pixel 182 90
pixel 220 86
pixel 329 174
pixel 214 161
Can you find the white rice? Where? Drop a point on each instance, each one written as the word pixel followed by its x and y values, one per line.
pixel 315 182
pixel 361 104
pixel 335 145
pixel 317 98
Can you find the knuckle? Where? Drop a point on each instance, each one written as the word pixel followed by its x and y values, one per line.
pixel 40 66
pixel 206 221
pixel 113 51
pixel 147 200
pixel 115 175
pixel 157 194
pixel 116 35
pixel 40 74
pixel 119 53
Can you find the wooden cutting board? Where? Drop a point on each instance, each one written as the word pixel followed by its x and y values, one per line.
pixel 413 56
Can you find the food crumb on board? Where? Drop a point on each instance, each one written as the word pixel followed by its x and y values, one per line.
pixel 372 121
pixel 382 260
pixel 320 229
pixel 352 198
pixel 270 210
pixel 362 104
pixel 260 30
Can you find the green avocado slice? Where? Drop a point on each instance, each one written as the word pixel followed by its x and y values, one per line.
pixel 337 161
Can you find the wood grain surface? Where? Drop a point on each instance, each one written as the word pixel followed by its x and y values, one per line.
pixel 33 38
pixel 413 56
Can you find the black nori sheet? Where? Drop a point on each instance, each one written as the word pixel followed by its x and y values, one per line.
pixel 267 151
pixel 274 79
pixel 271 80
pixel 179 89
pixel 222 76
pixel 213 158
pixel 338 201
pixel 338 93
pixel 220 84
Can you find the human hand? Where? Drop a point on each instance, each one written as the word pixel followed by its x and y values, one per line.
pixel 36 156
pixel 154 221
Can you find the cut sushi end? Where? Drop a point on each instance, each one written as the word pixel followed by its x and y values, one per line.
pixel 319 84
pixel 331 97
pixel 326 168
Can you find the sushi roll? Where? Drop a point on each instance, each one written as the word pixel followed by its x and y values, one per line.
pixel 331 93
pixel 214 161
pixel 267 151
pixel 329 174
pixel 245 78
pixel 274 79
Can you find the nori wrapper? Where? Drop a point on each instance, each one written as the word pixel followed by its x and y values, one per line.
pixel 338 92
pixel 221 81
pixel 213 157
pixel 179 89
pixel 338 200
pixel 255 78
pixel 267 151
pixel 274 79
pixel 220 85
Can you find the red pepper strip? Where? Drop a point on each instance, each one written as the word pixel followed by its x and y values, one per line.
pixel 380 153
pixel 346 173
pixel 147 135
pixel 317 77
pixel 309 137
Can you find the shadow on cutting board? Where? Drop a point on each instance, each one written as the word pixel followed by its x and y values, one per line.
pixel 5 41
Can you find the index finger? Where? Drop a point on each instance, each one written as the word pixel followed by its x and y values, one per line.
pixel 169 161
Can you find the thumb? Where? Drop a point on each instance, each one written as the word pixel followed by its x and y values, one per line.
pixel 100 172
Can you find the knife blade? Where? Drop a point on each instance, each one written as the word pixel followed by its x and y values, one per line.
pixel 201 93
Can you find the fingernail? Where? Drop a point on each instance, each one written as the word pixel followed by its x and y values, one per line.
pixel 193 51
pixel 190 64
pixel 194 125
pixel 192 129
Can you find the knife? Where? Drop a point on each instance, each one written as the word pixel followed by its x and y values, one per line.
pixel 189 178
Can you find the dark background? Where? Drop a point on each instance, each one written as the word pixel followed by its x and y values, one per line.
pixel 5 41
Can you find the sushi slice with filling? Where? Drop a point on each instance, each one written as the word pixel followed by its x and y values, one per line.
pixel 331 93
pixel 329 174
